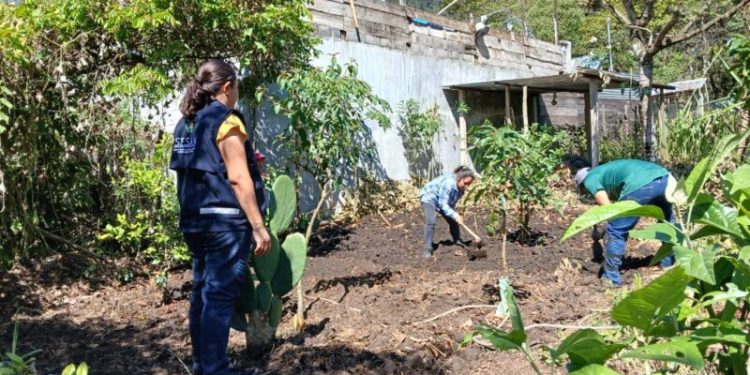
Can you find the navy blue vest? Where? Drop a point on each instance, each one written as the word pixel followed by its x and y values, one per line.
pixel 207 201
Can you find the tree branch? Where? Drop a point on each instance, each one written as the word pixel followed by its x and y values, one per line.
pixel 670 41
pixel 693 22
pixel 647 14
pixel 630 9
pixel 616 12
pixel 653 48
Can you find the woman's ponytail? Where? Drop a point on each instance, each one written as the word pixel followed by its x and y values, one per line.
pixel 211 76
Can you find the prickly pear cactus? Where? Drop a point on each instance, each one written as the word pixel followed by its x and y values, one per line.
pixel 274 274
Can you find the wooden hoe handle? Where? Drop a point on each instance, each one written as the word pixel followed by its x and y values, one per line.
pixel 476 238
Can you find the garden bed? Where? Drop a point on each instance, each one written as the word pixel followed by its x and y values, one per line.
pixel 367 290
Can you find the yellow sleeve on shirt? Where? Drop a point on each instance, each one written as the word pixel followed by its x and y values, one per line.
pixel 232 122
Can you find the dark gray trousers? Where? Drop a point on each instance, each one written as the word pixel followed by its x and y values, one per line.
pixel 430 217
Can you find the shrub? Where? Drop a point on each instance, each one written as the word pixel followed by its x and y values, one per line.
pixel 147 210
pixel 68 67
pixel 517 167
pixel 516 170
pixel 697 312
pixel 418 130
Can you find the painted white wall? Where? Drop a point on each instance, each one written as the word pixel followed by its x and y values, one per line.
pixel 395 76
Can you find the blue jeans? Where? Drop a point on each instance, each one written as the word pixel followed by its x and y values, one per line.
pixel 219 266
pixel 430 217
pixel 618 229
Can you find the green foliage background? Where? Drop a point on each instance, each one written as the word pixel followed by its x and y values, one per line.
pixel 76 74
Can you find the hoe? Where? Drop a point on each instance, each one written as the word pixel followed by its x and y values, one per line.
pixel 474 251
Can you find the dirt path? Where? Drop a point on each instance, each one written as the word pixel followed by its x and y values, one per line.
pixel 366 288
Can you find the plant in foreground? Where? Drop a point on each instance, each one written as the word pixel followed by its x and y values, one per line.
pixel 695 313
pixel 258 310
pixel 516 170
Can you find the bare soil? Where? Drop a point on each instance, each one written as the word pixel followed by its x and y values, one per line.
pixel 367 290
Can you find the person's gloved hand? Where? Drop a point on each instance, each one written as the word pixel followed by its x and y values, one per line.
pixel 597 234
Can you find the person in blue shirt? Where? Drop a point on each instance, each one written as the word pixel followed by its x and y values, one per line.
pixel 440 196
pixel 220 191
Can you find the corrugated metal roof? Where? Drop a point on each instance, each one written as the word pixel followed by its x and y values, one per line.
pixel 577 81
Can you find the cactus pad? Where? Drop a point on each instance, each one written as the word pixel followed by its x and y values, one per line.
pixel 247 302
pixel 274 313
pixel 291 264
pixel 283 204
pixel 264 296
pixel 265 265
pixel 239 321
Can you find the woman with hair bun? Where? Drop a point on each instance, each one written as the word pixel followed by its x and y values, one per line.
pixel 220 190
pixel 440 196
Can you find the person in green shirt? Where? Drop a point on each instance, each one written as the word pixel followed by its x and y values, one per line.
pixel 621 180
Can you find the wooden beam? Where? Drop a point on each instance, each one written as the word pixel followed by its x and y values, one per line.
pixel 508 119
pixel 701 103
pixel 525 109
pixel 591 98
pixel 462 129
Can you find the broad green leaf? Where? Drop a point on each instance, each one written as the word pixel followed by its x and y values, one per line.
pixel 697 177
pixel 732 293
pixel 509 306
pixel 664 251
pixel 739 179
pixel 645 307
pixel 697 264
pixel 741 276
pixel 707 166
pixel 660 232
pixel 709 211
pixel 69 369
pixel 678 350
pixel 706 231
pixel 513 340
pixel 740 197
pixel 586 347
pixel 83 369
pixel 720 332
pixel 594 370
pixel 615 210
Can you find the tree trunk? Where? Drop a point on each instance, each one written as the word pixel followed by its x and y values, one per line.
pixel 299 318
pixel 647 118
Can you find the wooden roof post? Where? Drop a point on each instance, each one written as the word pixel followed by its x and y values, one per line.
pixel 462 129
pixel 508 119
pixel 525 109
pixel 662 131
pixel 591 99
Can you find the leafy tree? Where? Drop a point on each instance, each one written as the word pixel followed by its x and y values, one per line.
pixel 418 130
pixel 327 135
pixel 739 50
pixel 73 76
pixel 655 26
pixel 516 170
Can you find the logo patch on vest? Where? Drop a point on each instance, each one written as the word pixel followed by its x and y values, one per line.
pixel 185 145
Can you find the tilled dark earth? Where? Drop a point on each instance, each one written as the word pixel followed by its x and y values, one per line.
pixel 369 295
